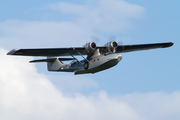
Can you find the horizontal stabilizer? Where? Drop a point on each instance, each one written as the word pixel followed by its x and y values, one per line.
pixel 51 60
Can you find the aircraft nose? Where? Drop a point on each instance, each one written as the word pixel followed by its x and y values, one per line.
pixel 119 57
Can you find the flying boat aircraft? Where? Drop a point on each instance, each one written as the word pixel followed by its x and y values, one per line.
pixel 98 58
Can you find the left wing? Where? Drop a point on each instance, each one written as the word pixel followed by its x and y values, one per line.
pixel 130 48
pixel 84 51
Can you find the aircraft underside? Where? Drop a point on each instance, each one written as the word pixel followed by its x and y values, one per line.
pixel 110 63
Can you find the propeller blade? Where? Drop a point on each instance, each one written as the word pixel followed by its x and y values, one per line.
pixel 95 39
pixel 120 42
pixel 112 38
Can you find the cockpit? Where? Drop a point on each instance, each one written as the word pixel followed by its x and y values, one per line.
pixel 107 53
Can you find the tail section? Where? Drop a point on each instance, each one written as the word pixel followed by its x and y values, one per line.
pixel 54 65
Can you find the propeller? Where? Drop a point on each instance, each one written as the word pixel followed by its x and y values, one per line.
pixel 112 38
pixel 120 42
pixel 95 39
pixel 111 45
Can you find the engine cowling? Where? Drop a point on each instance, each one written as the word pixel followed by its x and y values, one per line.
pixel 90 47
pixel 111 46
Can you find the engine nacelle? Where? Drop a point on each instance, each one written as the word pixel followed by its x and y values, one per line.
pixel 111 46
pixel 90 47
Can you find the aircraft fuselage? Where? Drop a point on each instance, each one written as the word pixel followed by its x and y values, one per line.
pixel 93 65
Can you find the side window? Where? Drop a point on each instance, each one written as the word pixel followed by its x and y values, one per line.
pixel 73 63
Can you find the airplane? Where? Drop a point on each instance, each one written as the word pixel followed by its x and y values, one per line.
pixel 98 58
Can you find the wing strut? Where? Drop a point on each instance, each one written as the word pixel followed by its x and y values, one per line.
pixel 77 59
pixel 83 57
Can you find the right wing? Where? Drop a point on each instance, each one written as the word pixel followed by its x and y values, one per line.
pixel 48 52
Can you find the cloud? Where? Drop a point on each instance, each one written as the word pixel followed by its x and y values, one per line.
pixel 103 15
pixel 27 94
pixel 99 18
pixel 155 105
pixel 70 84
pixel 41 34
